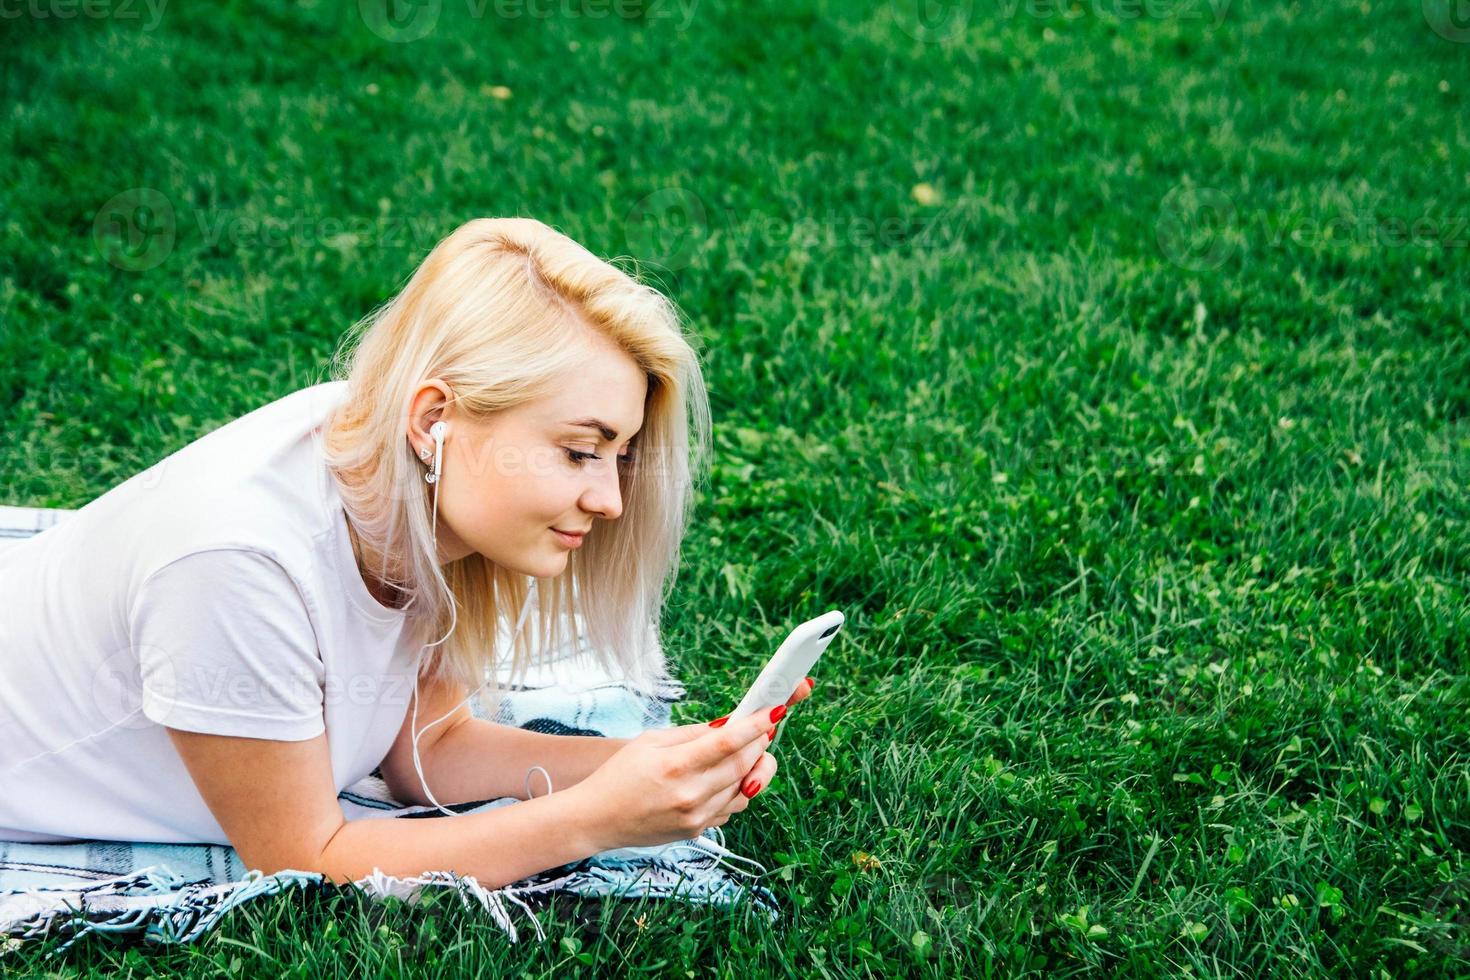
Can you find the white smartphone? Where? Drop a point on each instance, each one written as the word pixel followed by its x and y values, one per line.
pixel 790 665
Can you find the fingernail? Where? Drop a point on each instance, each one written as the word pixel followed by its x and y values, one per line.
pixel 811 682
pixel 771 735
pixel 719 721
pixel 751 788
pixel 778 712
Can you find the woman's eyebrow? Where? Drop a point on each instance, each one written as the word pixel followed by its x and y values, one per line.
pixel 607 431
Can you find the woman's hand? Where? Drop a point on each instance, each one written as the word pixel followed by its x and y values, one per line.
pixel 670 784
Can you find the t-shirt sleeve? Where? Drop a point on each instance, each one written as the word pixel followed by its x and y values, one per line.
pixel 225 646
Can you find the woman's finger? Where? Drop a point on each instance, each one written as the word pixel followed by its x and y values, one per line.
pixel 731 738
pixel 803 691
pixel 759 777
pixel 678 734
pixel 733 800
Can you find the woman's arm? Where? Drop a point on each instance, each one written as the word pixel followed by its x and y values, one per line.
pixel 465 758
pixel 483 760
pixel 276 802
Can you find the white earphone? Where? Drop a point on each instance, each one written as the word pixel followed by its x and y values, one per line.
pixel 438 431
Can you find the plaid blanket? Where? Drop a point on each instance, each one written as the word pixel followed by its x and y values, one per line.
pixel 175 893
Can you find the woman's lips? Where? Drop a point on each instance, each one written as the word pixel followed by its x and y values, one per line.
pixel 569 540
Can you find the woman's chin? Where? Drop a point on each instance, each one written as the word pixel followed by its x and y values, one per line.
pixel 544 567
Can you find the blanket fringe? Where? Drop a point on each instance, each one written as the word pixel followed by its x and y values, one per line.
pixel 663 875
pixel 166 907
pixel 380 885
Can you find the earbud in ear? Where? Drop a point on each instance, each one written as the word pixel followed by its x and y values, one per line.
pixel 437 430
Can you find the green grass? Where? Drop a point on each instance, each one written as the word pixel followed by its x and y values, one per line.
pixel 1143 487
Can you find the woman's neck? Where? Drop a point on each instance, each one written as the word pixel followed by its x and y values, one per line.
pixel 386 594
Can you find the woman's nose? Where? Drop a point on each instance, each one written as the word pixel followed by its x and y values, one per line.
pixel 606 495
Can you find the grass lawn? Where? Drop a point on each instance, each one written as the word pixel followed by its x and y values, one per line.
pixel 1106 363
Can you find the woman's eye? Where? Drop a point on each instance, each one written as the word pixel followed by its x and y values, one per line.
pixel 579 457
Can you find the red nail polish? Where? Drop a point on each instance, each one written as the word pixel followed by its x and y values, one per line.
pixel 771 735
pixel 811 682
pixel 751 788
pixel 719 721
pixel 778 712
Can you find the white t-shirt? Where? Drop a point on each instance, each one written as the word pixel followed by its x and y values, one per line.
pixel 214 592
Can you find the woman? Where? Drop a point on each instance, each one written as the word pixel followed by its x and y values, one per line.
pixel 212 650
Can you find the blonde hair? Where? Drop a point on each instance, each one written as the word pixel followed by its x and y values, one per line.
pixel 497 310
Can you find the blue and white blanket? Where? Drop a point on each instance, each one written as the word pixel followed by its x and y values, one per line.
pixel 175 893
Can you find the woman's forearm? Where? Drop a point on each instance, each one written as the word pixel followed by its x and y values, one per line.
pixel 497 846
pixel 484 760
